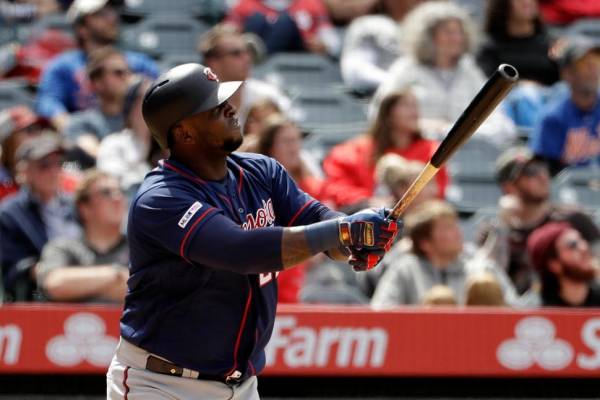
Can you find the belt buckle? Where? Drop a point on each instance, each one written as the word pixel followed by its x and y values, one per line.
pixel 233 378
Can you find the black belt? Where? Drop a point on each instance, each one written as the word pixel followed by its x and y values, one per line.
pixel 161 366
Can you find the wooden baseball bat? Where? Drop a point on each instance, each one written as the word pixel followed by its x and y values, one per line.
pixel 490 95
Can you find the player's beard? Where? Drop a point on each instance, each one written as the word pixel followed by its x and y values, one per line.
pixel 231 145
pixel 577 273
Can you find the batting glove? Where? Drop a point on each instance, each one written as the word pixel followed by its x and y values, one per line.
pixel 368 229
pixel 365 259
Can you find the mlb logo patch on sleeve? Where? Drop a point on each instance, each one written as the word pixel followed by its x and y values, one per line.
pixel 189 214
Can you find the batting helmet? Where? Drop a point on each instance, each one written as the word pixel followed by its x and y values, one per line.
pixel 181 92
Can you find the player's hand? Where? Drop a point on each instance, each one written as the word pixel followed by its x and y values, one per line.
pixel 365 259
pixel 370 228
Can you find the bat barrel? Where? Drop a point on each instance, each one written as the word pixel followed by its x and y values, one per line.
pixel 492 93
pixel 508 72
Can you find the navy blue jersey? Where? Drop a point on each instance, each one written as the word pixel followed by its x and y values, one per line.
pixel 198 294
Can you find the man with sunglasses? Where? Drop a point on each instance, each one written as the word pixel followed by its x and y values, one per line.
pixel 225 51
pixel 64 87
pixel 568 271
pixel 109 78
pixel 524 206
pixel 93 267
pixel 40 211
pixel 209 230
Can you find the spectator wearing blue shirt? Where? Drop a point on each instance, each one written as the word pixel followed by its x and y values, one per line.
pixel 64 86
pixel 37 213
pixel 568 133
pixel 109 78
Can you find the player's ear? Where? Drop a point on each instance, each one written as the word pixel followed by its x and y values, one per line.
pixel 181 134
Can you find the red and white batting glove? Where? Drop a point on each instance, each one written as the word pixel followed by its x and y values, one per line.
pixel 364 258
pixel 369 228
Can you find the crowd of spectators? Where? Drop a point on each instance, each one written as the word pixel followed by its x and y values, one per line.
pixel 71 161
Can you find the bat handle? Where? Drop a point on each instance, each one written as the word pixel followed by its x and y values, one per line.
pixel 413 191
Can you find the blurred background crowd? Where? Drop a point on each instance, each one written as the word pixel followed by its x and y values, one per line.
pixel 352 98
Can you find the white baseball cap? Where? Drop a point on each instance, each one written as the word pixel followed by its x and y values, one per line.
pixel 81 8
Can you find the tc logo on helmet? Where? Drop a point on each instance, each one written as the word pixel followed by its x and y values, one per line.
pixel 211 76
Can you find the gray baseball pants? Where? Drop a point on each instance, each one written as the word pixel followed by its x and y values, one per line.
pixel 128 379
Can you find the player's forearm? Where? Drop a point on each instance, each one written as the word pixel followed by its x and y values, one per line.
pixel 301 243
pixel 294 247
pixel 263 250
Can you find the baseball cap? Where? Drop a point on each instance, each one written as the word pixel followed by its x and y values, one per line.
pixel 16 118
pixel 179 93
pixel 81 8
pixel 39 147
pixel 541 242
pixel 574 48
pixel 510 164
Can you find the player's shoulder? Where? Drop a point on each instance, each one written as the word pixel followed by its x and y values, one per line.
pixel 253 161
pixel 162 188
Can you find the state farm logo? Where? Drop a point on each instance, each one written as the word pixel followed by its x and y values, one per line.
pixel 84 340
pixel 11 337
pixel 306 346
pixel 535 342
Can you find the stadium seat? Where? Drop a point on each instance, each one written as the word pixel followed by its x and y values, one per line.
pixel 52 21
pixel 13 93
pixel 474 161
pixel 171 60
pixel 587 27
pixel 324 108
pixel 295 72
pixel 165 35
pixel 470 196
pixel 209 10
pixel 7 34
pixel 578 186
pixel 475 8
pixel 322 138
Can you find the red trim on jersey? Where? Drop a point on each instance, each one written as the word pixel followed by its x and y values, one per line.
pixel 185 238
pixel 125 374
pixel 241 180
pixel 181 172
pixel 239 336
pixel 227 199
pixel 299 211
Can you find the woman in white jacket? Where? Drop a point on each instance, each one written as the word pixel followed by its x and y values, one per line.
pixel 439 39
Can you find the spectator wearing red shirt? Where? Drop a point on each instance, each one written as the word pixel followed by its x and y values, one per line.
pixel 350 167
pixel 287 25
pixel 562 12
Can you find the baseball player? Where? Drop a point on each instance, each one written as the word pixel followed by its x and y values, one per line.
pixel 208 231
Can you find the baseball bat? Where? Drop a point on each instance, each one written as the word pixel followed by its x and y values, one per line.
pixel 484 102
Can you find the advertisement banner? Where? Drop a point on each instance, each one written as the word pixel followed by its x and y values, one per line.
pixel 336 341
